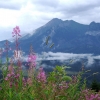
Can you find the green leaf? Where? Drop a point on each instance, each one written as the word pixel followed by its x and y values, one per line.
pixel 58 68
pixel 66 78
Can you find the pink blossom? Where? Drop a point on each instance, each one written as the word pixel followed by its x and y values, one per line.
pixel 31 58
pixel 91 97
pixel 16 31
pixel 41 75
pixel 17 27
pixel 29 81
pixel 98 98
pixel 10 69
pixel 24 81
pixel 40 69
pixel 6 78
pixel 61 87
pixel 95 96
pixel 34 63
pixel 17 76
pixel 10 84
pixel 12 73
pixel 66 86
pixel 8 75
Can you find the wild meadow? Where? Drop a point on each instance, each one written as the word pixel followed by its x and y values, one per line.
pixel 39 85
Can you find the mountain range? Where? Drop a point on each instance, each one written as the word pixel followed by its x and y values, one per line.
pixel 62 36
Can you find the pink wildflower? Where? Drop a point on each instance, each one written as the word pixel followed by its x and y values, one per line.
pixel 10 69
pixel 31 58
pixel 6 78
pixel 98 98
pixel 93 96
pixel 12 73
pixel 41 75
pixel 10 84
pixel 17 76
pixel 16 31
pixel 24 81
pixel 90 96
pixel 8 75
pixel 29 81
pixel 63 85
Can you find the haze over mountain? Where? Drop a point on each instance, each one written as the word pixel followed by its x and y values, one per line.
pixel 68 36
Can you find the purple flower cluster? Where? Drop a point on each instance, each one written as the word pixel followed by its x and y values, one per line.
pixel 41 77
pixel 16 31
pixel 12 76
pixel 88 95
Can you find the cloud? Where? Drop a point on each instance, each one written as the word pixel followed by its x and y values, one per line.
pixel 87 59
pixel 31 14
pixel 47 3
pixel 12 4
pixel 76 7
pixel 5 32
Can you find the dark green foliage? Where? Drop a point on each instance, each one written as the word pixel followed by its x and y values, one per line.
pixel 95 85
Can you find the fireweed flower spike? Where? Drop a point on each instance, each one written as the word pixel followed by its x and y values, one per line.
pixel 16 31
pixel 7 48
pixel 16 34
pixel 32 64
pixel 41 77
pixel 10 73
pixel 12 76
pixel 32 58
pixel 17 52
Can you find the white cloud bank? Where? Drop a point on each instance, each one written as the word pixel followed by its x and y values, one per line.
pixel 69 57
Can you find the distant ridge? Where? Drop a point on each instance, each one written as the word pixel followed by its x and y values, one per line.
pixel 68 36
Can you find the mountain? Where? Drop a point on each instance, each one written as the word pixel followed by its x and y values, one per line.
pixel 68 36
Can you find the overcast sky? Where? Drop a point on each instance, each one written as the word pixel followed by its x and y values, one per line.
pixel 31 14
